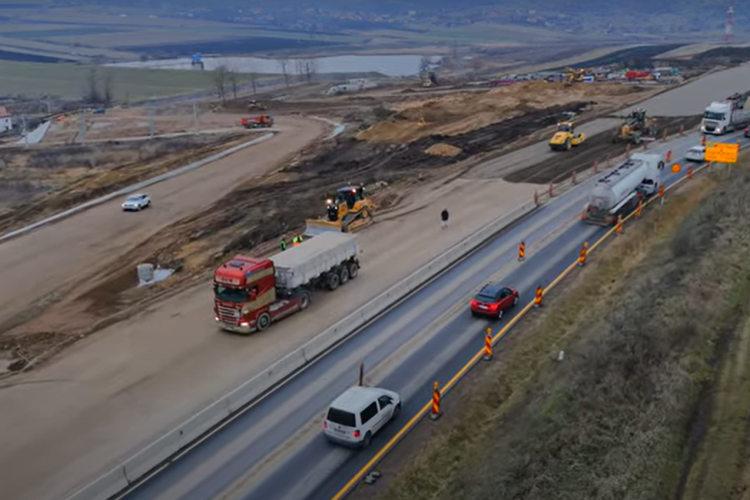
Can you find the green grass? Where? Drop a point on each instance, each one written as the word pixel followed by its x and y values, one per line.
pixel 68 80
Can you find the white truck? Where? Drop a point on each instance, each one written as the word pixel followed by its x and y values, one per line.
pixel 251 293
pixel 618 191
pixel 721 117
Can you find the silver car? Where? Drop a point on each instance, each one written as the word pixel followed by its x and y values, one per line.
pixel 136 202
pixel 696 153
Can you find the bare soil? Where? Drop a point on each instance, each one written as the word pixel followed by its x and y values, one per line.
pixel 38 182
pixel 597 148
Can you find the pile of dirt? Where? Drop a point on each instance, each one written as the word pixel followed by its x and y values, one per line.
pixel 461 112
pixel 442 149
pixel 598 148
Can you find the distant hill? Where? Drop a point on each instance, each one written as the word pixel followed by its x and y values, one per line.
pixel 653 17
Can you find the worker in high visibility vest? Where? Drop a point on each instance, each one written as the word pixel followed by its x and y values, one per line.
pixel 282 244
pixel 297 240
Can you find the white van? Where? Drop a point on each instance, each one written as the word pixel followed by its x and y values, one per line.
pixel 354 417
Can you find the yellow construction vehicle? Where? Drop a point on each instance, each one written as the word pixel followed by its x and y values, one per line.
pixel 566 137
pixel 574 75
pixel 635 127
pixel 348 210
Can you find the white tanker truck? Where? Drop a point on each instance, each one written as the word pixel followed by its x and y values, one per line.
pixel 619 190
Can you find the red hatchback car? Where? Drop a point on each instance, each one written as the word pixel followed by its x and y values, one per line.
pixel 493 300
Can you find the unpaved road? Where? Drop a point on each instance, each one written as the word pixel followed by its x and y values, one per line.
pixel 115 391
pixel 47 261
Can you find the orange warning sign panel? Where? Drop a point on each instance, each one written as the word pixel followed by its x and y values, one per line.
pixel 722 152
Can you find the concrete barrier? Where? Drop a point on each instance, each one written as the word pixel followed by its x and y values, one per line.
pixel 161 450
pixel 134 187
pixel 256 386
pixel 105 486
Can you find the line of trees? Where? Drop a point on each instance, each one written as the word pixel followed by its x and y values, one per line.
pixel 99 89
pixel 227 80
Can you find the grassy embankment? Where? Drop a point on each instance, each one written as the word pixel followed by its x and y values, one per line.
pixel 650 400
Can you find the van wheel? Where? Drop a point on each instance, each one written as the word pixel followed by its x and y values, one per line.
pixel 333 281
pixel 366 440
pixel 396 411
pixel 344 275
pixel 353 270
pixel 263 322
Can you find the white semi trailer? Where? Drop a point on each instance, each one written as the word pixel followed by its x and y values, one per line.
pixel 618 191
pixel 721 117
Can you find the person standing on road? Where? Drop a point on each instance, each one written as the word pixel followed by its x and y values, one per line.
pixel 444 218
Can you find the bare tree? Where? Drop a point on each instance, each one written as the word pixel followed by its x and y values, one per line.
pixel 310 68
pixel 220 77
pixel 254 81
pixel 300 66
pixel 283 63
pixel 108 91
pixel 91 94
pixel 234 81
pixel 425 63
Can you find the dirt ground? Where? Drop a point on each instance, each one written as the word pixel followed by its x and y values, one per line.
pixel 596 148
pixel 38 182
pixel 71 256
pixel 610 420
pixel 459 113
pixel 121 123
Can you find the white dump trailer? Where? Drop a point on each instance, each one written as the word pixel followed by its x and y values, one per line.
pixel 316 257
pixel 618 191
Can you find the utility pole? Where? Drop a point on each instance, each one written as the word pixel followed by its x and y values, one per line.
pixel 82 127
pixel 729 23
pixel 25 131
pixel 151 121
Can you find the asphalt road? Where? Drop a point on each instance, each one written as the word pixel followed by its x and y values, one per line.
pixel 276 451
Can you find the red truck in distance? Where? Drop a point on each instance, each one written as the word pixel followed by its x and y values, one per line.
pixel 251 293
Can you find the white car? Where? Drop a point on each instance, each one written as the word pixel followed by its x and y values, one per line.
pixel 354 417
pixel 136 202
pixel 696 153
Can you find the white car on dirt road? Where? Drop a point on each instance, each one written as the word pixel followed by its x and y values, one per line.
pixel 136 202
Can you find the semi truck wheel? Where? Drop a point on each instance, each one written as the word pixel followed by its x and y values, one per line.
pixel 333 281
pixel 353 270
pixel 344 275
pixel 263 322
pixel 304 301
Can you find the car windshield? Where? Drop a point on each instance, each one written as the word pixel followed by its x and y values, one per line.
pixel 341 417
pixel 222 292
pixel 134 198
pixel 483 297
pixel 713 115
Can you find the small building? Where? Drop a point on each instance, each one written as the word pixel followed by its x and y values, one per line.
pixel 6 120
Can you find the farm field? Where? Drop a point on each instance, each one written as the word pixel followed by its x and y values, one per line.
pixel 68 81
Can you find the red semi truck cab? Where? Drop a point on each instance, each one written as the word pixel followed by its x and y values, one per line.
pixel 245 295
pixel 251 293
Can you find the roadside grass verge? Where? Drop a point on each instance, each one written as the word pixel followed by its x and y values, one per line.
pixel 643 327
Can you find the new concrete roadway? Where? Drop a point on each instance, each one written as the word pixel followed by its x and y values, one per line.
pixel 276 451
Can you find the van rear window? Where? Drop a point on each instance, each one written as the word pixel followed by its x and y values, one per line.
pixel 341 417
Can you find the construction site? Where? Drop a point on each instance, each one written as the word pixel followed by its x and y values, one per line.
pixel 397 147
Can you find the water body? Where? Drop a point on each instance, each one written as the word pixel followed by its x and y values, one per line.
pixel 388 65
